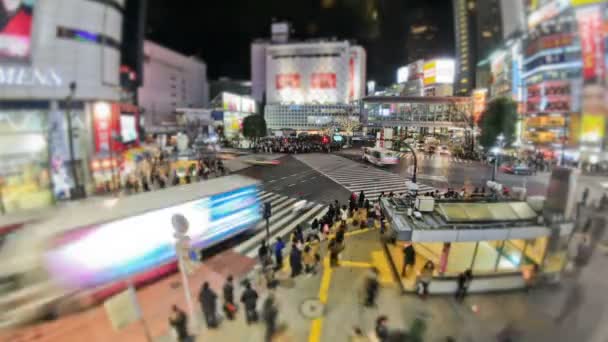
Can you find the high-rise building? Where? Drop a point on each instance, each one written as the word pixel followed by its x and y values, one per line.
pixel 478 29
pixel 171 81
pixel 424 39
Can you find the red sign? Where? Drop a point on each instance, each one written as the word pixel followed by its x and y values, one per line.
pixel 589 26
pixel 288 81
pixel 323 81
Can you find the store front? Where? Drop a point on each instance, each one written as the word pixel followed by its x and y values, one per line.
pixel 502 243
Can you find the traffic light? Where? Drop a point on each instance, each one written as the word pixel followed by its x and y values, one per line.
pixel 267 210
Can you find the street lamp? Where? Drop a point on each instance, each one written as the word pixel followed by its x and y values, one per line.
pixel 497 150
pixel 182 249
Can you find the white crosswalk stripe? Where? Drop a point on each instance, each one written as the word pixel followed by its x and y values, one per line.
pixel 283 221
pixel 356 176
pixel 451 159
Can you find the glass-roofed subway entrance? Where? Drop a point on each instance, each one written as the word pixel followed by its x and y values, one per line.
pixel 502 243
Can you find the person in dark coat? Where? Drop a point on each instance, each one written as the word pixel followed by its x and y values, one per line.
pixel 382 332
pixel 361 199
pixel 207 299
pixel 179 323
pixel 372 286
pixel 270 312
pixel 249 298
pixel 464 280
pixel 295 261
pixel 278 252
pixel 409 258
pixel 263 253
pixel 228 291
pixel 299 235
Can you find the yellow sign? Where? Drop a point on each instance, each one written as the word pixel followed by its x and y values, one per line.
pixel 575 3
pixel 594 127
pixel 430 74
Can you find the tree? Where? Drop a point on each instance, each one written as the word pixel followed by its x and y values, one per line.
pixel 348 125
pixel 500 117
pixel 254 127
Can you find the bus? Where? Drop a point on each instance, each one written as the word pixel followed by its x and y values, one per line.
pixel 379 156
pixel 88 251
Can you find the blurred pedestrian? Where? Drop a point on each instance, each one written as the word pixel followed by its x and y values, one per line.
pixel 372 286
pixel 263 253
pixel 343 214
pixel 249 298
pixel 208 299
pixel 464 281
pixel 426 276
pixel 295 261
pixel 270 313
pixel 409 258
pixel 179 324
pixel 229 305
pixel 361 199
pixel 278 252
pixel 308 259
pixel 381 330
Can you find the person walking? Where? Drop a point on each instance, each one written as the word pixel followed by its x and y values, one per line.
pixel 179 324
pixel 228 291
pixel 372 285
pixel 309 260
pixel 208 299
pixel 361 199
pixel 278 252
pixel 343 214
pixel 426 275
pixel 295 261
pixel 409 258
pixel 381 330
pixel 249 298
pixel 464 281
pixel 263 253
pixel 270 313
pixel 333 252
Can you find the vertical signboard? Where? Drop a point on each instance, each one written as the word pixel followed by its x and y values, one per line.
pixel 589 25
pixel 479 103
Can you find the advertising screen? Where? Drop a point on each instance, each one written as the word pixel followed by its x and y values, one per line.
pixel 128 128
pixel 15 29
pixel 107 252
pixel 323 81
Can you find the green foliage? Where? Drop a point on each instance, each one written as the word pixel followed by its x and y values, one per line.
pixel 500 117
pixel 254 127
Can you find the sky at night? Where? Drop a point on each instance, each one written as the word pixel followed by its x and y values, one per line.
pixel 220 32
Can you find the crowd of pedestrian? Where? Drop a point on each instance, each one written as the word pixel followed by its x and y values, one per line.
pixel 294 145
pixel 161 171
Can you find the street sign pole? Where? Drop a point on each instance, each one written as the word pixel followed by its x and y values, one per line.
pixel 182 246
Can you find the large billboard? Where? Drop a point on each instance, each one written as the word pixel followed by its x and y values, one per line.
pixel 439 71
pixel 16 18
pixel 313 73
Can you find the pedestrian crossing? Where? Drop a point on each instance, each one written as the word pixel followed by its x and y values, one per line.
pixel 355 176
pixel 425 156
pixel 285 218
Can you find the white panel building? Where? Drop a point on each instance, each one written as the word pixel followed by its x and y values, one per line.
pixel 171 81
pixel 303 80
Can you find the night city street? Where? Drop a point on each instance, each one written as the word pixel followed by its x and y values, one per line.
pixel 303 171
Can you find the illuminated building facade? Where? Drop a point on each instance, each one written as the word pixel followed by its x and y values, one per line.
pixel 564 74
